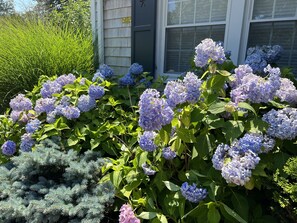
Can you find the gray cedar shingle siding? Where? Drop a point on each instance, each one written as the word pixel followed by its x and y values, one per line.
pixel 117 35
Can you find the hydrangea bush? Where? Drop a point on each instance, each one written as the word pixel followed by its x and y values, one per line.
pixel 209 146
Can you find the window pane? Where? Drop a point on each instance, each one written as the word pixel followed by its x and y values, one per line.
pixel 173 15
pixel 181 43
pixel 219 10
pixel 285 8
pixel 202 11
pixel 281 33
pixel 187 12
pixel 263 9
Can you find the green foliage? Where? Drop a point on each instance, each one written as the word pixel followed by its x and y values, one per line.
pixel 49 185
pixel 30 48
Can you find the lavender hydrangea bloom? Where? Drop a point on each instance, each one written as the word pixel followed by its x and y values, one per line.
pixel 46 105
pixel 96 92
pixel 146 141
pixel 127 80
pixel 65 79
pixel 147 170
pixel 192 193
pixel 20 116
pixel 51 117
pixel 287 91
pixel 106 71
pixel 8 148
pixel 273 53
pixel 256 62
pixel 175 92
pixel 127 215
pixel 239 73
pixel 27 142
pixel 207 50
pixel 71 112
pixel 86 103
pixel 33 126
pixel 268 144
pixel 249 142
pixel 282 123
pixel 82 81
pixel 219 156
pixel 98 76
pixel 168 154
pixel 20 103
pixel 192 84
pixel 49 88
pixel 154 111
pixel 135 69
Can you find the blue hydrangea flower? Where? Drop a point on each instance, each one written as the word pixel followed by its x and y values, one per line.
pixel 147 170
pixel 135 69
pixel 8 148
pixel 219 156
pixel 49 88
pixel 240 72
pixel 154 111
pixel 273 53
pixel 106 71
pixel 51 117
pixel 282 123
pixel 127 80
pixel 268 144
pixel 146 141
pixel 98 77
pixel 209 50
pixel 249 142
pixel 20 116
pixel 256 62
pixel 85 103
pixel 66 79
pixel 71 112
pixel 192 193
pixel 46 105
pixel 168 154
pixel 27 142
pixel 192 84
pixel 33 126
pixel 20 103
pixel 175 92
pixel 287 91
pixel 96 92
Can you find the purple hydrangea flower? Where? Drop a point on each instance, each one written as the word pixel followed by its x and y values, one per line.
pixel 8 148
pixel 27 142
pixel 106 71
pixel 175 92
pixel 71 112
pixel 154 111
pixel 192 84
pixel 209 50
pixel 51 117
pixel 147 170
pixel 98 76
pixel 287 91
pixel 65 79
pixel 192 193
pixel 256 62
pixel 127 80
pixel 219 156
pixel 249 142
pixel 82 81
pixel 168 154
pixel 135 69
pixel 33 125
pixel 20 116
pixel 282 123
pixel 127 215
pixel 268 144
pixel 46 105
pixel 96 92
pixel 20 103
pixel 146 141
pixel 86 103
pixel 49 88
pixel 240 72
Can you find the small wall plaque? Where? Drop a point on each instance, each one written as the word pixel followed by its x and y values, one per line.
pixel 126 20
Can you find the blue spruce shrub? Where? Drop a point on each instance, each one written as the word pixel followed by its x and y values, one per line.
pixel 49 185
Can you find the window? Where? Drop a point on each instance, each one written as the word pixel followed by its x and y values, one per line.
pixel 240 24
pixel 275 22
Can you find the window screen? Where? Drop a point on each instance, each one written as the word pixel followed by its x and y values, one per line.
pixel 189 22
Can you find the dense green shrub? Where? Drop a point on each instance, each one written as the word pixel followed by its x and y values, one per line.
pixel 49 185
pixel 30 48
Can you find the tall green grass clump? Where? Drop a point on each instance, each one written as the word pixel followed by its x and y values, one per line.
pixel 30 48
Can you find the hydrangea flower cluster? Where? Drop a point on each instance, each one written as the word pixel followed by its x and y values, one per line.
pixel 237 161
pixel 168 154
pixel 106 71
pixel 192 193
pixel 146 141
pixel 27 142
pixel 127 215
pixel 154 111
pixel 132 77
pixel 178 92
pixel 85 103
pixel 46 105
pixel 127 80
pixel 256 89
pixel 98 77
pixel 287 91
pixel 282 123
pixel 8 148
pixel 20 106
pixel 148 170
pixel 136 69
pixel 96 92
pixel 240 72
pixel 32 125
pixel 258 57
pixel 209 50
